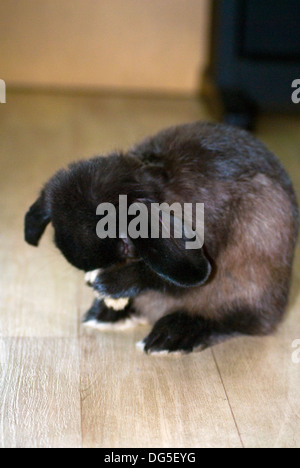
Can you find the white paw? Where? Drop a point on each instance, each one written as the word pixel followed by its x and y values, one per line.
pixel 140 345
pixel 90 276
pixel 121 325
pixel 116 304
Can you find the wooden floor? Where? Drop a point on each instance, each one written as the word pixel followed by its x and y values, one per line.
pixel 64 386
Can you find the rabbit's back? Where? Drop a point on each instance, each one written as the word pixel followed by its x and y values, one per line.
pixel 251 219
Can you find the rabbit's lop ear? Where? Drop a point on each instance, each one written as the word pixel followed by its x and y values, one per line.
pixel 36 220
pixel 175 257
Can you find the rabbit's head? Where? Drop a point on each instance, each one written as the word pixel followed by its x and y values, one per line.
pixel 70 201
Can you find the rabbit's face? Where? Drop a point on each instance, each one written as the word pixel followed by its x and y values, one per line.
pixel 69 200
pixel 78 241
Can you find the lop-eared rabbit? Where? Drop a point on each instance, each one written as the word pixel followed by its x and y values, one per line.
pixel 236 284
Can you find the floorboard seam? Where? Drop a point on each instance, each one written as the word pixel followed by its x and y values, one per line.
pixel 230 407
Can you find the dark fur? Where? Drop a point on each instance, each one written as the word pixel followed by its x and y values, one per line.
pixel 238 283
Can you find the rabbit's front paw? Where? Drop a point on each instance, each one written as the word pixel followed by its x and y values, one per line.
pixel 119 281
pixel 104 282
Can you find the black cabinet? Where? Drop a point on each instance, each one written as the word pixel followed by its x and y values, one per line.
pixel 255 57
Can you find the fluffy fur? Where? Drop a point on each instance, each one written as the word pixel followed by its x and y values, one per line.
pixel 238 283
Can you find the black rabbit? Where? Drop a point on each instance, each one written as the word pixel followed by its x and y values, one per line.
pixel 237 283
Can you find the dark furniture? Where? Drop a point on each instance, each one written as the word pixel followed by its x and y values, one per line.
pixel 255 57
